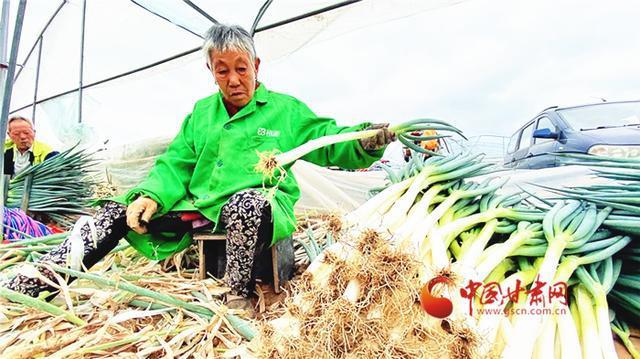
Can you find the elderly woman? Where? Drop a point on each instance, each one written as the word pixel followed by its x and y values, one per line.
pixel 206 178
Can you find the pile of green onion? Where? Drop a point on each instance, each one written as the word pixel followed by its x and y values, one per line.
pixel 60 187
pixel 445 217
pixel 462 227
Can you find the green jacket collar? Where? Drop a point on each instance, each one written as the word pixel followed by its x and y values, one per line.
pixel 260 97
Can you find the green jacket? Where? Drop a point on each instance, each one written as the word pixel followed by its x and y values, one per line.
pixel 213 157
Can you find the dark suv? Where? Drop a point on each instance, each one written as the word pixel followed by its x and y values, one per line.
pixel 606 129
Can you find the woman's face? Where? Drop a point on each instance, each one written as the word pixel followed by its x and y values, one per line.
pixel 235 75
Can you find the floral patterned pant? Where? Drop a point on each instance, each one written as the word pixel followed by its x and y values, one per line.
pixel 247 219
pixel 246 216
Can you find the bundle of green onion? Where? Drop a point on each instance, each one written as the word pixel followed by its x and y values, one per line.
pixel 621 195
pixel 435 214
pixel 60 187
pixel 269 162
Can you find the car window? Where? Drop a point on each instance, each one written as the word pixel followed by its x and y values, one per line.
pixel 545 122
pixel 513 142
pixel 602 115
pixel 525 139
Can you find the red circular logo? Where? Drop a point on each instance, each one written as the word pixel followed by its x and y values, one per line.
pixel 438 307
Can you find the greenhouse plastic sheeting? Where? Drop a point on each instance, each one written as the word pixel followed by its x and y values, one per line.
pixel 127 165
pixel 555 177
pixel 124 36
pixel 323 189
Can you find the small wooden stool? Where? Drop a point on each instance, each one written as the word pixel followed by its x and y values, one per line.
pixel 282 258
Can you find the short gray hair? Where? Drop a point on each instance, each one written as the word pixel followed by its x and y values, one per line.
pixel 228 37
pixel 19 118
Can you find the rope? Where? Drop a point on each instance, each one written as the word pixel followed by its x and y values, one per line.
pixel 17 224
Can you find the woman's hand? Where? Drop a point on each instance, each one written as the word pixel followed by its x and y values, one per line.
pixel 383 138
pixel 141 210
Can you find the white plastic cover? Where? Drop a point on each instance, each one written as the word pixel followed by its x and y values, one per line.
pixel 123 35
pixel 555 177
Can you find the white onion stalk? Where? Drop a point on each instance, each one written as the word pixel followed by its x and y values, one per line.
pixel 496 253
pixel 568 334
pixel 560 234
pixel 269 162
pixel 545 344
pixel 440 238
pixel 310 146
pixel 599 292
pixel 352 291
pixel 572 264
pixel 395 216
pixel 416 217
pixel 490 324
pixel 471 255
pixel 590 340
pixel 564 272
pixel 455 167
pixel 372 210
pixel 503 334
pixel 429 220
